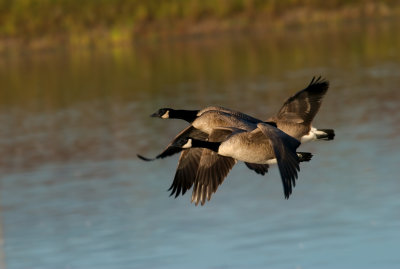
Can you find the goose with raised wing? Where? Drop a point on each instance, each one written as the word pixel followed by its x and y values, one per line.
pixel 214 168
pixel 294 118
pixel 207 169
pixel 298 112
pixel 263 145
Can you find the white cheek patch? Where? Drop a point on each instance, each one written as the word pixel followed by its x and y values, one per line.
pixel 188 144
pixel 166 115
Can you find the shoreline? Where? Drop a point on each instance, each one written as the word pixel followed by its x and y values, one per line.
pixel 158 31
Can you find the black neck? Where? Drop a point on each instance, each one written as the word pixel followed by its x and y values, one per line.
pixel 214 146
pixel 187 115
pixel 272 123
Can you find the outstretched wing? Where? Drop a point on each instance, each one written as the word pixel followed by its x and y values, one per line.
pixel 304 105
pixel 213 168
pixel 186 171
pixel 212 171
pixel 284 147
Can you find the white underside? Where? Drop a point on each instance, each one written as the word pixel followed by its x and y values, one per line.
pixel 243 154
pixel 311 136
pixel 272 161
pixel 275 161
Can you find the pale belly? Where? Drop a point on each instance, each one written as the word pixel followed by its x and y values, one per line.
pixel 260 153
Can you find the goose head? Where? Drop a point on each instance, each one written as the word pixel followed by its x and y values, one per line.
pixel 183 142
pixel 162 113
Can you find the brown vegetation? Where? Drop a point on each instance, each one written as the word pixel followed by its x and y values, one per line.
pixel 46 23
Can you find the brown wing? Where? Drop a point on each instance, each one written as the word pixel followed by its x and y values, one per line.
pixel 284 147
pixel 186 171
pixel 212 169
pixel 235 113
pixel 304 105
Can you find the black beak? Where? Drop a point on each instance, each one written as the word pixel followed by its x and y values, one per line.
pixel 154 115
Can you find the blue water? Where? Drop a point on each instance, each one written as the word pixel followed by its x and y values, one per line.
pixel 74 195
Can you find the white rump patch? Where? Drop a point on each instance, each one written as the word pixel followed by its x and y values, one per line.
pixel 317 132
pixel 310 136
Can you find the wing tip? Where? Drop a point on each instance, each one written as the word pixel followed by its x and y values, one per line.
pixel 320 81
pixel 145 158
pixel 287 192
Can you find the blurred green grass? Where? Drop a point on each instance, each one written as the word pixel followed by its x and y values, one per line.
pixel 84 22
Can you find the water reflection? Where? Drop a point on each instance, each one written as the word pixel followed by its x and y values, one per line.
pixel 73 194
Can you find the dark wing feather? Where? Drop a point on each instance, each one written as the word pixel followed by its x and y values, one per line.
pixel 186 171
pixel 284 147
pixel 304 105
pixel 170 150
pixel 212 169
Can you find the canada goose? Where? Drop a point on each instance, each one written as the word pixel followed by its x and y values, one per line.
pixel 264 144
pixel 294 118
pixel 214 168
pixel 207 169
pixel 202 123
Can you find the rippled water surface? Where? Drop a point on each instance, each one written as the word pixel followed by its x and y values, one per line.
pixel 74 194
